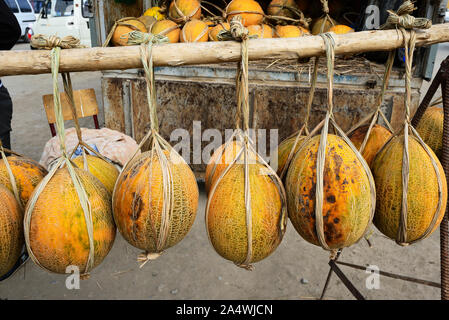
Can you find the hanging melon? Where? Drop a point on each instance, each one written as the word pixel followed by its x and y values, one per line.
pixel 283 8
pixel 104 171
pixel 11 235
pixel 139 201
pixel 378 137
pixel 125 26
pixel 341 29
pixel 250 11
pixel 290 31
pixel 347 200
pixel 213 32
pixel 58 236
pixel 195 31
pixel 283 151
pixel 167 28
pixel 226 214
pixel 323 25
pixel 27 173
pixel 181 11
pixel 422 195
pixel 430 128
pixel 262 31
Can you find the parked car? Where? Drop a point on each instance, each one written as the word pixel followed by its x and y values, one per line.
pixel 24 13
pixel 63 18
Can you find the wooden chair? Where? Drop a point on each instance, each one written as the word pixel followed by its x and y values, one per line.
pixel 85 103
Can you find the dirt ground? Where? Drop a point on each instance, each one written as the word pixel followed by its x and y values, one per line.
pixel 192 269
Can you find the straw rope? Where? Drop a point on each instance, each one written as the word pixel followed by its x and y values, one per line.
pixel 64 160
pixel 43 42
pixel 12 179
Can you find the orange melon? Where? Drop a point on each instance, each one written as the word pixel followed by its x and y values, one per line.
pixel 184 10
pixel 58 235
pixel 422 195
pixel 281 8
pixel 195 31
pixel 430 128
pixel 290 31
pixel 104 171
pixel 139 197
pixel 27 173
pixel 120 36
pixel 250 11
pixel 341 29
pixel 148 21
pixel 378 137
pixel 347 203
pixel 219 161
pixel 11 235
pixel 226 214
pixel 213 32
pixel 167 28
pixel 262 31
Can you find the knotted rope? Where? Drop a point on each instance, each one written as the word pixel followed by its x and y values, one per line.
pixel 43 42
pixel 64 160
pixel 248 152
pixel 326 16
pixel 403 18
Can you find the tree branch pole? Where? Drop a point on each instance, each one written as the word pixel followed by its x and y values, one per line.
pixel 176 54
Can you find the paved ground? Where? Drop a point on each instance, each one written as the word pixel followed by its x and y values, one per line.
pixel 192 269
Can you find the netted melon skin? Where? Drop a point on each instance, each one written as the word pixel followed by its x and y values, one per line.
pixel 430 128
pixel 27 173
pixel 226 217
pixel 378 137
pixel 422 195
pixel 138 200
pixel 284 149
pixel 58 233
pixel 104 171
pixel 347 200
pixel 220 160
pixel 11 231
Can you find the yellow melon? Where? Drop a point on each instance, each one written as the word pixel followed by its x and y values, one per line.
pixel 422 195
pixel 11 235
pixel 195 31
pixel 430 128
pixel 341 29
pixel 347 203
pixel 290 31
pixel 283 151
pixel 104 171
pixel 184 10
pixel 262 31
pixel 120 36
pixel 58 234
pixel 213 32
pixel 27 173
pixel 167 28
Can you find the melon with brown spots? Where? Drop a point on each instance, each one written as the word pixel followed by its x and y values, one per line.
pixel 347 203
pixel 430 128
pixel 422 194
pixel 58 234
pixel 378 137
pixel 27 173
pixel 139 199
pixel 226 215
pixel 104 171
pixel 11 227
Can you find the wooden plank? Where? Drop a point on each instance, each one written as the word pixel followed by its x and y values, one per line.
pixel 85 103
pixel 113 104
pixel 175 54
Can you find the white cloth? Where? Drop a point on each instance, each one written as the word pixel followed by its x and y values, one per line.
pixel 112 144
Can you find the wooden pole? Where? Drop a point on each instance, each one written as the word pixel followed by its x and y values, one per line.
pixel 176 54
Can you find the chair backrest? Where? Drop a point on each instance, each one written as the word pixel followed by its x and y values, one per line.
pixel 85 103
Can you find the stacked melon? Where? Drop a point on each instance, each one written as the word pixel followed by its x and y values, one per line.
pixel 190 21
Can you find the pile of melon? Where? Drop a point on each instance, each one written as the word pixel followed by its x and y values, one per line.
pixel 193 21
